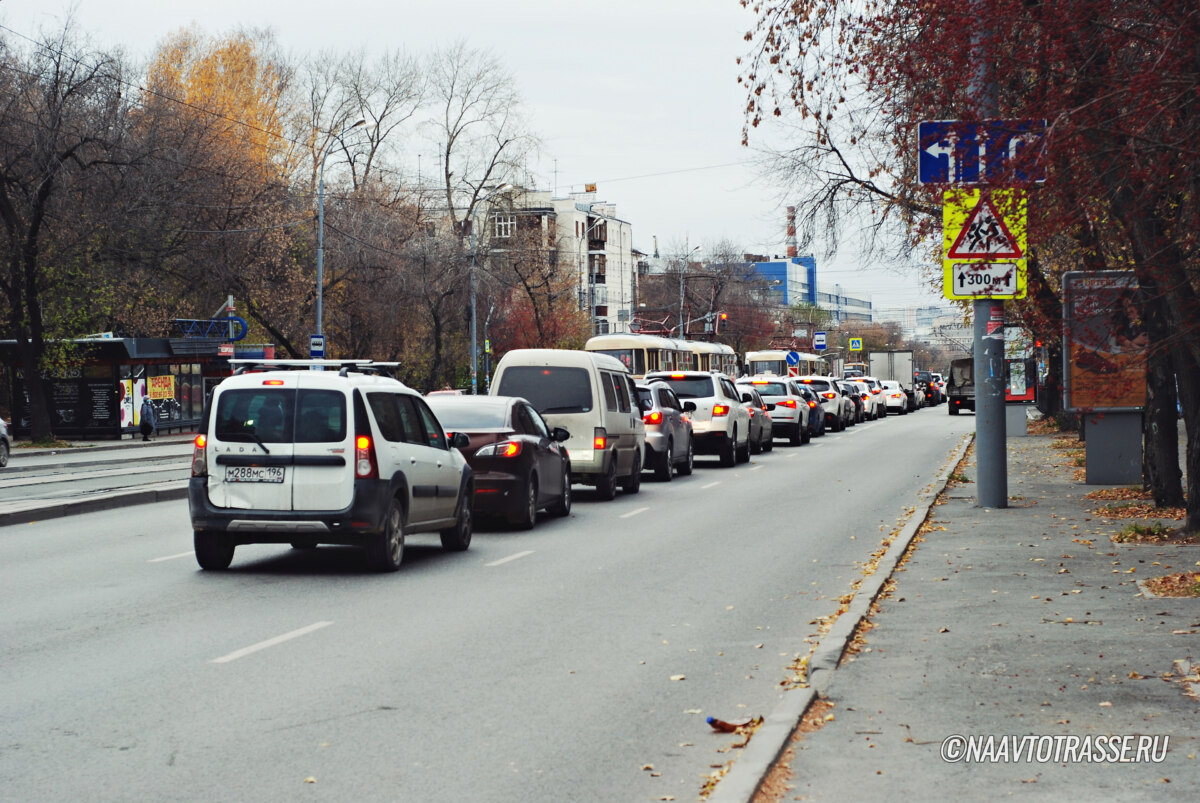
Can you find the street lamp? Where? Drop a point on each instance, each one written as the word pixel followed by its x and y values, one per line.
pixel 321 226
pixel 474 345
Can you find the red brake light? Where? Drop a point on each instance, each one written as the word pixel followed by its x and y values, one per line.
pixel 874 391
pixel 199 457
pixel 599 438
pixel 812 404
pixel 510 449
pixel 787 403
pixel 829 394
pixel 365 466
pixel 652 418
pixel 678 376
pixel 720 409
pixel 272 381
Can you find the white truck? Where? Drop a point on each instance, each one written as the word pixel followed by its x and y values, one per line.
pixel 894 365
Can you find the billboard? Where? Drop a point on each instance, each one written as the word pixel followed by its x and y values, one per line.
pixel 1104 342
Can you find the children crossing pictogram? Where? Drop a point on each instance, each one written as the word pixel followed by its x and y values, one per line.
pixel 985 236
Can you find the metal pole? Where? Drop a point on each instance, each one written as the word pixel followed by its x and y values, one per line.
pixel 321 243
pixel 991 459
pixel 474 346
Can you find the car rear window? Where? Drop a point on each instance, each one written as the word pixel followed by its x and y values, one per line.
pixel 697 388
pixel 816 384
pixel 768 388
pixel 457 416
pixel 270 415
pixel 549 389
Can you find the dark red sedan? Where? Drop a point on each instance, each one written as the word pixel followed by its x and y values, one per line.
pixel 520 464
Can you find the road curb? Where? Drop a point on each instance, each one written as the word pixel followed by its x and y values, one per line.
pixel 94 505
pixel 746 775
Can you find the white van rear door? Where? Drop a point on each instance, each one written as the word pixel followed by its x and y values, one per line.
pixel 324 450
pixel 251 447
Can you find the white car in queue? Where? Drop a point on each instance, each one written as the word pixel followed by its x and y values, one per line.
pixel 839 410
pixel 895 397
pixel 346 455
pixel 720 424
pixel 789 417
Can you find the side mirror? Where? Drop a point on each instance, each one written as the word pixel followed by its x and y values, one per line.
pixel 746 397
pixel 559 434
pixel 689 407
pixel 460 440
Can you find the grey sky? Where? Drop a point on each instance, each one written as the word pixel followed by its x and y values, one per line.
pixel 638 96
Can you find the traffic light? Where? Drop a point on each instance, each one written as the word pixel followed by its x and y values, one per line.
pixel 722 318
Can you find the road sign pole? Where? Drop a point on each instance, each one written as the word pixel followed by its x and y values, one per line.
pixel 991 466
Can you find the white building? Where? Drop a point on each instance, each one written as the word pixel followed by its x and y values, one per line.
pixel 591 237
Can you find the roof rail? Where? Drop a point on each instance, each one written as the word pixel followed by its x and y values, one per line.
pixel 344 367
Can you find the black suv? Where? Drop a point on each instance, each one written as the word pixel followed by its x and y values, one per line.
pixel 933 394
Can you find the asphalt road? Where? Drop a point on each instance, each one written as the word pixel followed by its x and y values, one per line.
pixel 547 665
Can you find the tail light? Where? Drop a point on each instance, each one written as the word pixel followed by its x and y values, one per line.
pixel 751 411
pixel 365 465
pixel 720 410
pixel 829 394
pixel 501 449
pixel 874 391
pixel 199 457
pixel 812 404
pixel 599 438
pixel 791 403
pixel 652 418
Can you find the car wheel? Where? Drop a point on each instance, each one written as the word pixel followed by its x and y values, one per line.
pixel 952 410
pixel 385 549
pixel 458 537
pixel 794 437
pixel 3 454
pixel 805 437
pixel 728 458
pixel 742 455
pixel 755 446
pixel 214 551
pixel 304 543
pixel 563 506
pixel 606 486
pixel 526 517
pixel 686 467
pixel 662 469
pixel 769 442
pixel 633 483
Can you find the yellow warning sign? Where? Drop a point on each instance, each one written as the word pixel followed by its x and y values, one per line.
pixel 985 243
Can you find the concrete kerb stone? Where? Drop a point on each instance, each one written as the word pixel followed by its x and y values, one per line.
pixel 55 510
pixel 745 777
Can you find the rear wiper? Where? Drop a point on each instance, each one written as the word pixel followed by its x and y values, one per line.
pixel 258 440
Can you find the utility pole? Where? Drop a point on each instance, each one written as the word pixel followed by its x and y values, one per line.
pixel 991 459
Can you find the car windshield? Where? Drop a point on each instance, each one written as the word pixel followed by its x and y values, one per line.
pixel 690 388
pixel 769 388
pixel 457 416
pixel 550 389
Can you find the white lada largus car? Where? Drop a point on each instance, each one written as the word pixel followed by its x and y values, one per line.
pixel 346 455
pixel 720 424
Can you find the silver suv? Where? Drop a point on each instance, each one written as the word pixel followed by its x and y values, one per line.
pixel 342 456
pixel 720 424
pixel 669 446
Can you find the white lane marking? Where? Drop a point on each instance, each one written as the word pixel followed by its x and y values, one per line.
pixel 710 485
pixel 817 445
pixel 633 513
pixel 791 454
pixel 271 642
pixel 510 557
pixel 756 468
pixel 171 557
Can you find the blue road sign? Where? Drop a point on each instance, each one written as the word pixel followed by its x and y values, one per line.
pixel 819 341
pixel 793 358
pixel 986 152
pixel 316 347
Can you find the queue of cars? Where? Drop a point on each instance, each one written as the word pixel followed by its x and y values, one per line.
pixel 349 455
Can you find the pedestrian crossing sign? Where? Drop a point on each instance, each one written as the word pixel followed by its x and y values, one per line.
pixel 984 243
pixel 856 344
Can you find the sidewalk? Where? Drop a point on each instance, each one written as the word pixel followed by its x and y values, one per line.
pixel 22 449
pixel 1022 621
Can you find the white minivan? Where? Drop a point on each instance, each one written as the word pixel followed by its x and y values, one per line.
pixel 347 455
pixel 593 397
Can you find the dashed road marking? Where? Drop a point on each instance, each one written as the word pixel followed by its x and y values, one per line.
pixel 517 556
pixel 633 513
pixel 271 642
pixel 172 557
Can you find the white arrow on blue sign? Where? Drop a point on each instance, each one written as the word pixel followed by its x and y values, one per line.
pixel 990 151
pixel 793 358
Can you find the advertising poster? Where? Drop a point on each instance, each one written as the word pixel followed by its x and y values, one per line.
pixel 162 387
pixel 1104 342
